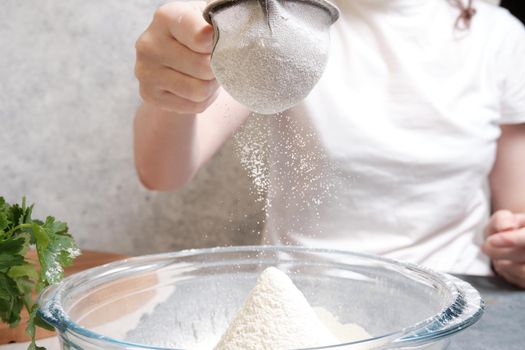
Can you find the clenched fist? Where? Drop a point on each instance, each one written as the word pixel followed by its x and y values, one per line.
pixel 173 59
pixel 505 245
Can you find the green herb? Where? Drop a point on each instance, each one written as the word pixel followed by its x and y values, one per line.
pixel 18 277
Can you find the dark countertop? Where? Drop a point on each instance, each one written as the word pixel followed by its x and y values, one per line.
pixel 502 327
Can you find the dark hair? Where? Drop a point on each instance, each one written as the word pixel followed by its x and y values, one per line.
pixel 466 14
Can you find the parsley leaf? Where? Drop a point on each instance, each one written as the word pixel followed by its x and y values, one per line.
pixel 13 246
pixel 11 300
pixel 19 277
pixel 56 249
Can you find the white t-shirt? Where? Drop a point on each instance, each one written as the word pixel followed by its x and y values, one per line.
pixel 406 120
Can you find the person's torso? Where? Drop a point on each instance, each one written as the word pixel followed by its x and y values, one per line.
pixel 391 151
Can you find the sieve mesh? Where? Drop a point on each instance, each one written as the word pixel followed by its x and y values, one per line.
pixel 269 54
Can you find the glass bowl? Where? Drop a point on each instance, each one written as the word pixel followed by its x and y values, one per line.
pixel 185 300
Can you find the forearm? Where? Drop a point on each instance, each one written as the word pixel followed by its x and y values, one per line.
pixel 164 144
pixel 508 175
pixel 171 147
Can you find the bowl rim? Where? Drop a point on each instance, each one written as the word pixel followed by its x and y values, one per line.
pixel 427 330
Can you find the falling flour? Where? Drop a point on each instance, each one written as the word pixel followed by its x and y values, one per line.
pixel 275 316
pixel 292 176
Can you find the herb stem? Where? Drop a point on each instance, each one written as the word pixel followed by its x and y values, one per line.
pixel 19 227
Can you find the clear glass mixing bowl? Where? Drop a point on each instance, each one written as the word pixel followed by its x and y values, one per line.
pixel 185 300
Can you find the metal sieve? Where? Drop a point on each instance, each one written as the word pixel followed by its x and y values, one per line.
pixel 269 54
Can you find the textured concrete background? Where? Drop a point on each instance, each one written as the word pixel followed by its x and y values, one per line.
pixel 67 99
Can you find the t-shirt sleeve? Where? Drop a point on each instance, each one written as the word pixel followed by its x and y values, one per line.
pixel 512 59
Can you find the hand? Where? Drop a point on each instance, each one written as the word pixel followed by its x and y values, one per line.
pixel 173 59
pixel 505 245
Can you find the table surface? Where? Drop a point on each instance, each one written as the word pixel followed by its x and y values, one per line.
pixel 502 327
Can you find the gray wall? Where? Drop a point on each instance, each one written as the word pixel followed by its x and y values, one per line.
pixel 67 99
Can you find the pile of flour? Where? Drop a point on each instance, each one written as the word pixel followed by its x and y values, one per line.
pixel 275 316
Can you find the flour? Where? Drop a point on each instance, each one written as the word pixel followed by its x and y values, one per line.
pixel 289 169
pixel 275 316
pixel 269 55
pixel 345 333
pixel 252 146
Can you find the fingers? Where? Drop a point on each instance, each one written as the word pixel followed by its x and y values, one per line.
pixel 520 218
pixel 185 23
pixel 512 272
pixel 168 52
pixel 179 58
pixel 173 59
pixel 507 249
pixel 508 245
pixel 168 101
pixel 502 220
pixel 514 238
pixel 177 83
pixel 511 254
